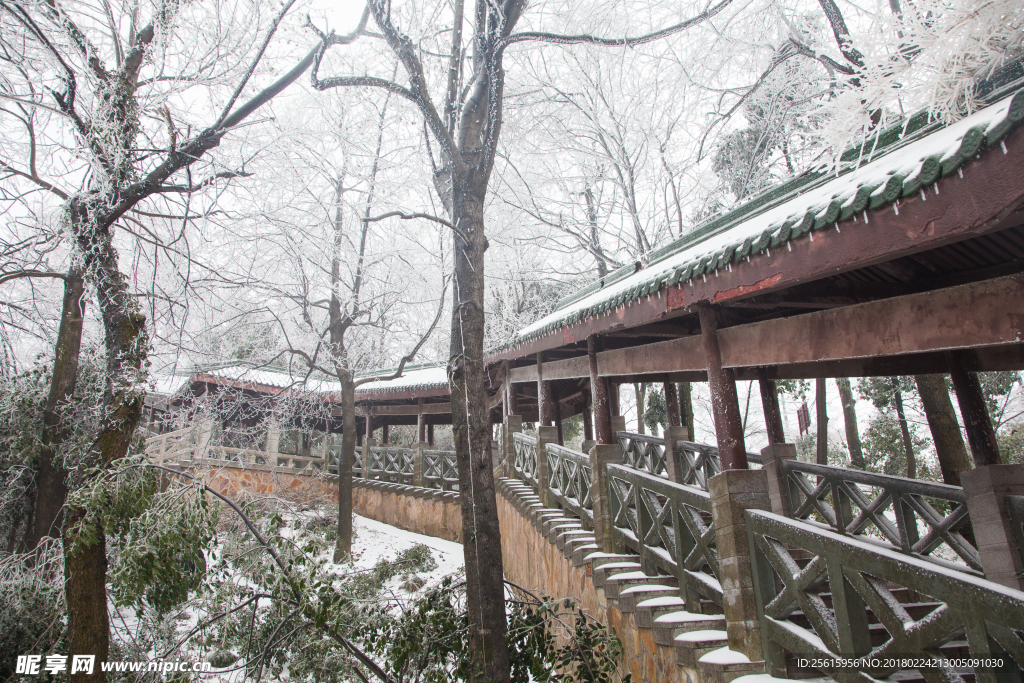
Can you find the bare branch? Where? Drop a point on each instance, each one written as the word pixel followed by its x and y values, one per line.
pixel 562 39
pixel 410 216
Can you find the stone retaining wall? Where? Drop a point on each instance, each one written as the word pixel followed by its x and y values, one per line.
pixel 423 511
pixel 536 563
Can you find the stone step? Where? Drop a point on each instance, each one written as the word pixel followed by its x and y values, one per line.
pixel 570 541
pixel 649 610
pixel 693 645
pixel 603 572
pixel 627 599
pixel 615 584
pixel 561 535
pixel 724 666
pixel 582 551
pixel 668 627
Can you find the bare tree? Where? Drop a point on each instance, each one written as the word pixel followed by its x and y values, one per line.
pixel 462 128
pixel 99 83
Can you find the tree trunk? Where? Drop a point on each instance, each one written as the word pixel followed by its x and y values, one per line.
pixel 850 419
pixel 51 487
pixel 821 403
pixel 908 446
pixel 126 344
pixel 640 391
pixel 949 442
pixel 346 463
pixel 685 392
pixel 485 590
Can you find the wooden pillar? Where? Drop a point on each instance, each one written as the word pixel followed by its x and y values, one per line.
pixel 613 398
pixel 672 401
pixel 384 434
pixel 599 397
pixel 980 435
pixel 588 430
pixel 430 434
pixel 543 395
pixel 421 422
pixel 770 403
pixel 725 403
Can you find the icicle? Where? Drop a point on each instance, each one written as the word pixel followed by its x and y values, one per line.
pixel 960 171
pixel 729 267
pixel 705 276
pixel 811 235
pixel 789 246
pixel 924 197
pixel 837 228
pixel 866 217
pixel 1003 146
pixel 716 272
pixel 748 259
pixel 896 207
pixel 769 252
pixel 936 186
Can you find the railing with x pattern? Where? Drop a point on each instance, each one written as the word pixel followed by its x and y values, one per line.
pixel 440 470
pixel 669 526
pixel 867 609
pixel 524 458
pixel 391 464
pixel 643 452
pixel 569 481
pixel 1015 510
pixel 890 507
pixel 697 462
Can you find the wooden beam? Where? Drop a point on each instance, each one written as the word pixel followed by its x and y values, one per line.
pixel 900 335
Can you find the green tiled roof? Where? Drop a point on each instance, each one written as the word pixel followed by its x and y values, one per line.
pixel 898 162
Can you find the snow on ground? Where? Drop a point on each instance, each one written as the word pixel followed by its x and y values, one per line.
pixel 376 541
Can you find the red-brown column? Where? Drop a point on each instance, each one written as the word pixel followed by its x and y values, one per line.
pixel 543 395
pixel 384 434
pixel 599 397
pixel 770 403
pixel 430 434
pixel 980 435
pixel 672 401
pixel 725 403
pixel 588 430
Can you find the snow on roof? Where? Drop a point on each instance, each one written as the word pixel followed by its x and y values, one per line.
pixel 796 208
pixel 414 377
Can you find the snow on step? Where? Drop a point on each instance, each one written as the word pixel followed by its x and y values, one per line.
pixel 724 656
pixel 627 576
pixel 662 601
pixel 647 589
pixel 683 617
pixel 703 636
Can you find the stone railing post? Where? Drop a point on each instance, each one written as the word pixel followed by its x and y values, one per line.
pixel 367 456
pixel 545 435
pixel 601 456
pixel 418 469
pixel 673 434
pixel 733 492
pixel 203 438
pixel 495 454
pixel 779 486
pixel 273 443
pixel 986 488
pixel 513 424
